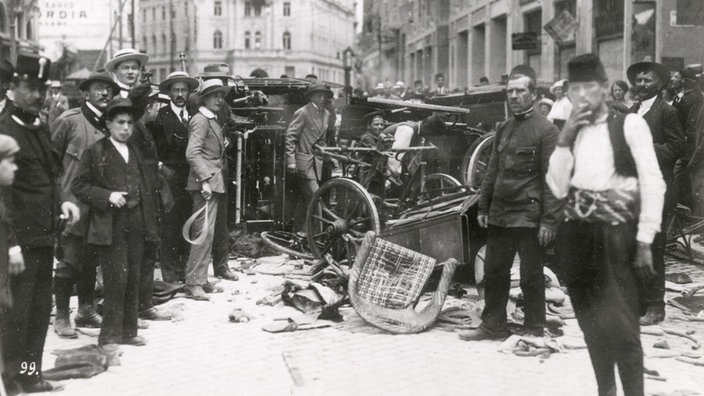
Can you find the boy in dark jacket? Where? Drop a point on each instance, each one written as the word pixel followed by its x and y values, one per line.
pixel 111 181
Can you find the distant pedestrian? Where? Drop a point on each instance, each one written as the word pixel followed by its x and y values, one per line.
pixel 562 107
pixel 619 96
pixel 440 88
pixel 418 95
pixel 544 106
pixel 605 168
pixel 54 104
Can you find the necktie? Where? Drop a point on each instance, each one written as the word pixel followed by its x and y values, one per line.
pixel 183 119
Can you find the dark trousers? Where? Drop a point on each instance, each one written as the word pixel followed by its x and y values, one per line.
pixel 121 263
pixel 146 276
pixel 501 247
pixel 78 265
pixel 221 238
pixel 23 330
pixel 174 249
pixel 596 261
pixel 301 194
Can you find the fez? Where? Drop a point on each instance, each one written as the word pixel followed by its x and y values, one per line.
pixel 586 68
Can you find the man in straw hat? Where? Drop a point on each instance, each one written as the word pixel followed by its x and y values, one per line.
pixel 518 209
pixel 205 154
pixel 75 131
pixel 33 211
pixel 307 128
pixel 112 181
pixel 647 79
pixel 126 66
pixel 170 130
pixel 604 166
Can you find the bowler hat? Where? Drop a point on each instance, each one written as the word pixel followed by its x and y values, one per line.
pixel 211 86
pixel 119 104
pixel 8 146
pixel 318 88
pixel 6 70
pixel 99 76
pixel 586 68
pixel 645 66
pixel 126 54
pixel 32 68
pixel 178 76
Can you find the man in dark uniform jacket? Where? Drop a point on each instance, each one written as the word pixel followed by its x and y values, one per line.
pixel 647 79
pixel 518 209
pixel 74 131
pixel 33 208
pixel 170 130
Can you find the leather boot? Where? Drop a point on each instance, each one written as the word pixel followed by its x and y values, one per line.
pixel 225 273
pixel 62 295
pixel 87 317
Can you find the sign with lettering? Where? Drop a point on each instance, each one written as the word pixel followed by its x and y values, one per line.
pixel 562 27
pixel 524 41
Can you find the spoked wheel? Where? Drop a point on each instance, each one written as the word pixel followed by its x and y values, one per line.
pixel 476 162
pixel 441 184
pixel 288 242
pixel 339 207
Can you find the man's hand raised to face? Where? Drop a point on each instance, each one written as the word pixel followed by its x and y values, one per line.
pixel 579 117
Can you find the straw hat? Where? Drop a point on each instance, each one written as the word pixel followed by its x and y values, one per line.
pixel 178 76
pixel 126 54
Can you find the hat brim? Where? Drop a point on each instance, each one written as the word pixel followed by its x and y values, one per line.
pixel 211 90
pixel 208 75
pixel 165 85
pixel 327 92
pixel 85 85
pixel 112 63
pixel 659 69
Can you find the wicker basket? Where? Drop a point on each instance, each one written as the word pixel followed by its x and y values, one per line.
pixel 387 279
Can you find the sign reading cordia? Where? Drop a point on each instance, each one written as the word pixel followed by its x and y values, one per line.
pixel 61 13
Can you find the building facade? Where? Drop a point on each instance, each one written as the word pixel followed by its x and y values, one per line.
pixel 470 39
pixel 278 37
pixel 25 26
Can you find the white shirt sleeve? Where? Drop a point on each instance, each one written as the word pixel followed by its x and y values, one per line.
pixel 560 171
pixel 650 182
pixel 402 139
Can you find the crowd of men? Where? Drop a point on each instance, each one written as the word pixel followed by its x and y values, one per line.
pixel 137 174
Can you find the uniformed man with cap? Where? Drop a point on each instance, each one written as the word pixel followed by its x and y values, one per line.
pixel 74 132
pixel 307 128
pixel 126 66
pixel 33 210
pixel 170 131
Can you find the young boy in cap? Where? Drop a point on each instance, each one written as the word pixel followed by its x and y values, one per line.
pixel 33 212
pixel 112 181
pixel 75 131
pixel 604 165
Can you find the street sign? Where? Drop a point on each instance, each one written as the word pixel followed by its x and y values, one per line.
pixel 524 41
pixel 562 27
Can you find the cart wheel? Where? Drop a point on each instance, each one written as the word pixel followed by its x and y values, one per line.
pixel 440 184
pixel 476 161
pixel 339 207
pixel 288 242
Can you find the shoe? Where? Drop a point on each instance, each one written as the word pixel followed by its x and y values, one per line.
pixel 87 317
pixel 42 386
pixel 196 292
pixel 211 288
pixel 154 314
pixel 227 275
pixel 111 347
pixel 62 326
pixel 652 317
pixel 481 333
pixel 142 324
pixel 136 341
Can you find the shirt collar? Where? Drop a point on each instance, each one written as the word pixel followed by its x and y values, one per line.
pixel 118 144
pixel 177 110
pixel 647 104
pixel 123 86
pixel 94 110
pixel 207 113
pixel 525 114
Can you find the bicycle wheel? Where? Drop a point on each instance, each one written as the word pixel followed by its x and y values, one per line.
pixel 288 242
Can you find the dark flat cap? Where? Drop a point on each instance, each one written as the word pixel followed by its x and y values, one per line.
pixel 100 76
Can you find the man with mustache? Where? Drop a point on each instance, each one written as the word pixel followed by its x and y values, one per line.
pixel 170 130
pixel 648 78
pixel 76 130
pixel 518 209
pixel 125 67
pixel 33 210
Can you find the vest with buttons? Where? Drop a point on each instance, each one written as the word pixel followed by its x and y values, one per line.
pixel 124 176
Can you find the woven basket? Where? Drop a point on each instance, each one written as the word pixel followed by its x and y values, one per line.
pixel 387 279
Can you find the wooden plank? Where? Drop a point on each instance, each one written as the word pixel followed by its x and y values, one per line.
pixel 420 106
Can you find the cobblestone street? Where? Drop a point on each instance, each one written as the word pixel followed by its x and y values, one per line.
pixel 202 353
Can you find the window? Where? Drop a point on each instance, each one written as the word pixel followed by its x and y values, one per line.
pixel 217 40
pixel 144 44
pixel 154 49
pixel 144 15
pixel 247 39
pixel 533 22
pixel 154 14
pixel 163 12
pixel 257 9
pixel 185 8
pixel 29 32
pixel 608 18
pixel 164 45
pixel 287 40
pixel 247 8
pixel 257 40
pixel 217 8
pixel 287 8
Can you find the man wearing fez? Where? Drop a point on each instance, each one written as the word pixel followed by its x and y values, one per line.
pixel 307 128
pixel 75 131
pixel 647 79
pixel 126 65
pixel 605 168
pixel 518 209
pixel 170 130
pixel 33 211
